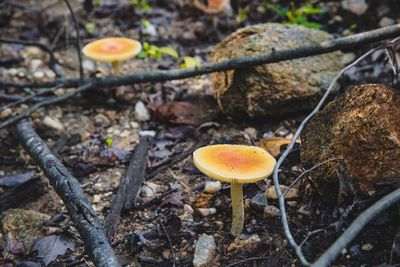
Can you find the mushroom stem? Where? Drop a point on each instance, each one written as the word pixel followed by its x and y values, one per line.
pixel 115 67
pixel 237 209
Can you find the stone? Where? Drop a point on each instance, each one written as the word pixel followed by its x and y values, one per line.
pixel 367 247
pixel 259 201
pixel 141 112
pixel 212 187
pixel 204 212
pixel 149 189
pixel 362 128
pixel 248 244
pixel 291 194
pixel 53 123
pixel 271 212
pixel 277 89
pixel 34 64
pixel 5 113
pixel 205 251
pixel 23 225
pixel 38 74
pixel 386 21
pixel 358 7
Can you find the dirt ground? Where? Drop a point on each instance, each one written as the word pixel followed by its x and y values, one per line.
pixel 94 133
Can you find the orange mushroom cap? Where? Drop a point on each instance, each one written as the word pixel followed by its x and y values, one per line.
pixel 212 6
pixel 234 163
pixel 112 49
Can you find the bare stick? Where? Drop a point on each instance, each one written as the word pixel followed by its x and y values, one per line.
pixel 237 63
pixel 68 188
pixel 53 63
pixel 289 148
pixel 129 186
pixel 29 97
pixel 78 39
pixel 176 159
pixel 48 102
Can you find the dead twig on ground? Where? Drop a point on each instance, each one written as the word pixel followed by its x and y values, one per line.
pixel 130 185
pixel 53 63
pixel 171 247
pixel 47 102
pixel 360 221
pixel 78 39
pixel 68 188
pixel 176 159
pixel 274 56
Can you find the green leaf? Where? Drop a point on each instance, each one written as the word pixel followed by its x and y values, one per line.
pixel 169 51
pixel 190 62
pixel 109 142
pixel 90 27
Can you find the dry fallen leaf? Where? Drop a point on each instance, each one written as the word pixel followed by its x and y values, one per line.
pixel 180 112
pixel 274 144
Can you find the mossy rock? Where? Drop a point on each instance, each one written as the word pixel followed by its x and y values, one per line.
pixel 277 89
pixel 362 129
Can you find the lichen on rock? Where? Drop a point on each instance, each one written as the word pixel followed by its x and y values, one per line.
pixel 362 128
pixel 277 89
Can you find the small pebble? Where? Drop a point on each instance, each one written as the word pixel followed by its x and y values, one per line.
pixel 291 194
pixel 98 187
pixel 5 113
pixel 141 113
pixel 259 201
pixel 367 247
pixel 212 187
pixel 96 199
pixel 34 64
pixel 188 209
pixel 271 212
pixel 38 74
pixel 207 211
pixel 386 21
pixel 53 123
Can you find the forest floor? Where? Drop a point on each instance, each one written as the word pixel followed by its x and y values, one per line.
pixel 93 134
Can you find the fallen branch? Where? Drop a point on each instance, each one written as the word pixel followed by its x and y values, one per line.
pixel 78 38
pixel 273 56
pixel 47 102
pixel 129 186
pixel 345 238
pixel 68 188
pixel 53 63
pixel 176 159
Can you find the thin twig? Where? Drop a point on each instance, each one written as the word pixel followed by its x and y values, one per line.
pixel 171 247
pixel 237 63
pixel 78 39
pixel 176 159
pixel 305 172
pixel 29 97
pixel 247 260
pixel 289 148
pixel 48 102
pixel 53 63
pixel 68 188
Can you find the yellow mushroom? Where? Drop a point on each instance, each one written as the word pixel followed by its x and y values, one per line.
pixel 237 165
pixel 112 50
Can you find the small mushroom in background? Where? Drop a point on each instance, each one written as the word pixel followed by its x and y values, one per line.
pixel 211 6
pixel 237 165
pixel 112 50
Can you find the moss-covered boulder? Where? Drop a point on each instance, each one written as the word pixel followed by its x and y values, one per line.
pixel 362 129
pixel 277 89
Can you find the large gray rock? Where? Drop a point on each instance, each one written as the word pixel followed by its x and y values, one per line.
pixel 277 89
